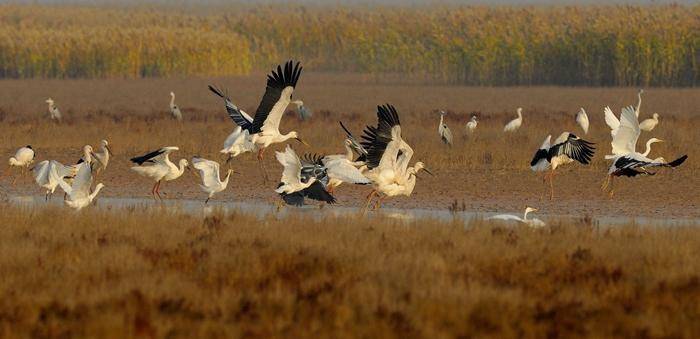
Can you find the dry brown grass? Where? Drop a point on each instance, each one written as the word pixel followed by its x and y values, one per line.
pixel 163 274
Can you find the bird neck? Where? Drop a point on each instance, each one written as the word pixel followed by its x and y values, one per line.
pixel 228 175
pixel 648 149
pixel 441 119
pixel 172 99
pixel 525 214
pixel 349 154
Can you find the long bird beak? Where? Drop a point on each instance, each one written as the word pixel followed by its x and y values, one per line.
pixel 429 172
pixel 303 142
pixel 109 149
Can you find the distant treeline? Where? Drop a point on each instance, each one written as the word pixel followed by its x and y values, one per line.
pixel 587 45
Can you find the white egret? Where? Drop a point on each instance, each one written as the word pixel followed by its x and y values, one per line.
pixel 79 193
pixel 649 124
pixel 23 158
pixel 47 173
pixel 174 110
pixel 239 141
pixel 565 149
pixel 582 120
pixel 471 125
pixel 278 95
pixel 530 222
pixel 514 124
pixel 388 157
pixel 161 168
pixel 444 131
pixel 54 113
pixel 211 179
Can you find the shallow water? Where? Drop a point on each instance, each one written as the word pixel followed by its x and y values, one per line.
pixel 262 210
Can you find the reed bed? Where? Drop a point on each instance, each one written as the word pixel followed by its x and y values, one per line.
pixel 159 273
pixel 472 45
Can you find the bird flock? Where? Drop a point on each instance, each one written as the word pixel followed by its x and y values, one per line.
pixel 381 158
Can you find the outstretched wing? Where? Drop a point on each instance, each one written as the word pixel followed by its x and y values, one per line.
pixel 292 166
pixel 542 153
pixel 383 142
pixel 41 172
pixel 238 116
pixel 611 120
pixel 355 145
pixel 208 170
pixel 625 140
pixel 582 120
pixel 575 148
pixel 280 85
pixel 318 192
pixel 154 156
pixel 344 171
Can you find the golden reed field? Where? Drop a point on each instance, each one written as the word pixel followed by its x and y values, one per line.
pixel 161 274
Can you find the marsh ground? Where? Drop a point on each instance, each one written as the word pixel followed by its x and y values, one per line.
pixel 486 172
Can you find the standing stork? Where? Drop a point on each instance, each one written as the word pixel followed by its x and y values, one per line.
pixel 582 120
pixel 211 179
pixel 471 125
pixel 54 113
pixel 23 158
pixel 239 141
pixel 566 148
pixel 626 160
pixel 388 156
pixel 514 124
pixel 444 131
pixel 174 110
pixel 278 95
pixel 161 168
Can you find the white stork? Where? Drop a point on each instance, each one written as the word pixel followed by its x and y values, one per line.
pixel 278 95
pixel 388 156
pixel 239 141
pixel 566 148
pixel 161 168
pixel 514 124
pixel 444 131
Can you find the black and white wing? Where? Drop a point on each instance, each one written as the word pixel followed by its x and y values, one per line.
pixel 573 147
pixel 355 145
pixel 383 142
pixel 634 164
pixel 238 116
pixel 317 191
pixel 280 85
pixel 540 161
pixel 312 166
pixel 154 156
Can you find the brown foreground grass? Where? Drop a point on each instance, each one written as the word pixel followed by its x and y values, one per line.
pixel 488 171
pixel 158 273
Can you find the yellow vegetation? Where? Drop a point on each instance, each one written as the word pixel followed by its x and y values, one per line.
pixel 588 45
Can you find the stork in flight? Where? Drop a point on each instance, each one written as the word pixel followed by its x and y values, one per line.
pixel 302 178
pixel 239 141
pixel 388 156
pixel 565 149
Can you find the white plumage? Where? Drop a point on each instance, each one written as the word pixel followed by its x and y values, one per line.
pixel 47 173
pixel 648 124
pixel 582 120
pixel 161 168
pixel 174 110
pixel 238 142
pixel 471 125
pixel 530 222
pixel 103 156
pixel 79 194
pixel 514 124
pixel 564 150
pixel 291 174
pixel 23 158
pixel 211 179
pixel 54 113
